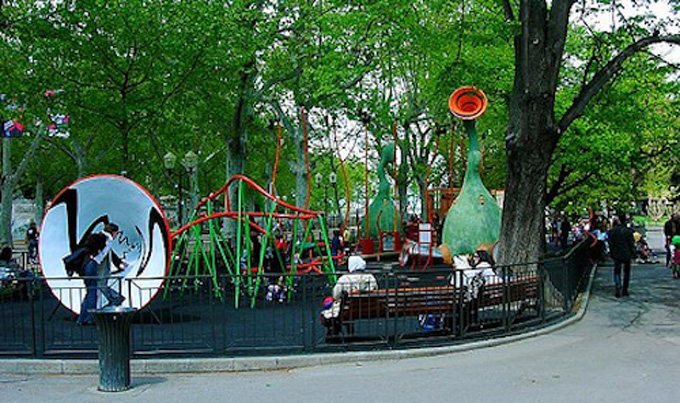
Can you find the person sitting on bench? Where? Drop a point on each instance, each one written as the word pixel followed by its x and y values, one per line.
pixel 356 279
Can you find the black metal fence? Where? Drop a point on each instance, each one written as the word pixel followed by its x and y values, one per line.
pixel 194 315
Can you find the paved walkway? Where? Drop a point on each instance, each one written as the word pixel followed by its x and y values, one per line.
pixel 623 350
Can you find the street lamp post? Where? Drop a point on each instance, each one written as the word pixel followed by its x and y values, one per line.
pixel 318 178
pixel 169 161
pixel 191 163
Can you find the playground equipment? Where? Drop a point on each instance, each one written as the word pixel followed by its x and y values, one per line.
pixel 381 224
pixel 195 253
pixel 474 219
pixel 145 240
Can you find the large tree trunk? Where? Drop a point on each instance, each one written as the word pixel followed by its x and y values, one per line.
pixel 6 217
pixel 299 169
pixel 523 228
pixel 531 136
pixel 235 165
pixel 39 201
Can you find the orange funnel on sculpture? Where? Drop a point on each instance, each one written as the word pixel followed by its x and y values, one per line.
pixel 467 103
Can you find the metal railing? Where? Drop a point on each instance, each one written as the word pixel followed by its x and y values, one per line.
pixel 193 315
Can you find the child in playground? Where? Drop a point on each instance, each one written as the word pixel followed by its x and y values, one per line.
pixel 276 291
pixel 675 256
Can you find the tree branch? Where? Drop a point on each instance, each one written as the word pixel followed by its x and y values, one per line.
pixel 603 76
pixel 507 10
pixel 555 188
pixel 27 157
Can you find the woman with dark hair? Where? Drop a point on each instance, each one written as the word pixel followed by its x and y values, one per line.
pixel 6 257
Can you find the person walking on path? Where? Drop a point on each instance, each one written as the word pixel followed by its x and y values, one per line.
pixel 670 229
pixel 622 250
pixel 565 229
pixel 32 241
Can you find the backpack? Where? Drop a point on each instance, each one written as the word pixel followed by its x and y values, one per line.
pixel 75 262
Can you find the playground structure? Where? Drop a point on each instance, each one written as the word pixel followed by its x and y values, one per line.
pixel 474 219
pixel 381 222
pixel 440 200
pixel 194 253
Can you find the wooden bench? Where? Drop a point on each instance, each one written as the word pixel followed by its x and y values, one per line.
pixel 436 300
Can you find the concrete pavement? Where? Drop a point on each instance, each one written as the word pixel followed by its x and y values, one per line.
pixel 623 350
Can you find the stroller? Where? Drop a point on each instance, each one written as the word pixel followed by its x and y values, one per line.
pixel 644 254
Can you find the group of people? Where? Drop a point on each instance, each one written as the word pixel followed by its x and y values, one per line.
pixel 471 272
pixel 560 230
pixel 278 255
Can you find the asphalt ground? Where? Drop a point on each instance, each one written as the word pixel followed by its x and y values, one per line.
pixel 623 350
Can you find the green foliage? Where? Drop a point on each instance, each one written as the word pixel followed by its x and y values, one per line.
pixel 143 78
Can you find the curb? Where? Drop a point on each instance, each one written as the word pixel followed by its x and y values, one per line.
pixel 211 365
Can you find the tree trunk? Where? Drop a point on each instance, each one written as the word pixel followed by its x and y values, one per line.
pixel 235 165
pixel 39 201
pixel 6 218
pixel 7 190
pixel 300 172
pixel 523 228
pixel 423 200
pixel 531 136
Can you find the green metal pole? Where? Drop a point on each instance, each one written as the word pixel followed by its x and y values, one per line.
pixel 263 248
pixel 331 267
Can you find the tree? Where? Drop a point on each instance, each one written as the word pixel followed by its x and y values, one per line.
pixel 534 130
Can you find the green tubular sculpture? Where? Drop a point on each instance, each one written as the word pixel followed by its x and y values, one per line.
pixel 382 206
pixel 475 217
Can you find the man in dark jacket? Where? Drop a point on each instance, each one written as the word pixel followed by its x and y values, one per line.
pixel 670 229
pixel 622 250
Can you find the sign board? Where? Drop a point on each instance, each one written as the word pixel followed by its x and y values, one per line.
pixel 388 242
pixel 425 233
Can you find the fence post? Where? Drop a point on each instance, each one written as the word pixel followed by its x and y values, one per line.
pixel 307 324
pixel 35 288
pixel 565 283
pixel 460 294
pixel 506 300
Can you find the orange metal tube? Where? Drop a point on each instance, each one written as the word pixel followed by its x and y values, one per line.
pixel 367 218
pixel 396 187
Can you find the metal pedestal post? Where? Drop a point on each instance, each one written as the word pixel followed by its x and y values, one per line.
pixel 113 325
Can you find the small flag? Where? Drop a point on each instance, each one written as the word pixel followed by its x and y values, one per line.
pixel 12 128
pixel 59 125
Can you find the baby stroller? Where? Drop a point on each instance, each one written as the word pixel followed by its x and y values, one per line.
pixel 643 252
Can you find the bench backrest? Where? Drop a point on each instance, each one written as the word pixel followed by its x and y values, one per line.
pixel 395 302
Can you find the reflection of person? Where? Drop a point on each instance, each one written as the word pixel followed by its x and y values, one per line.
pixel 94 245
pixel 32 240
pixel 622 250
pixel 105 258
pixel 356 279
